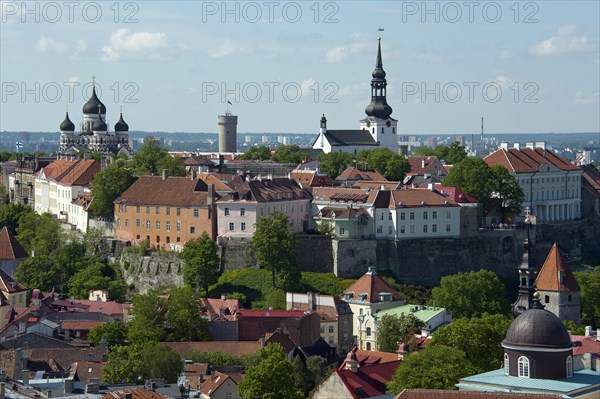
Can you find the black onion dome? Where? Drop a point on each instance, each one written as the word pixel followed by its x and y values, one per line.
pixel 121 126
pixel 378 108
pixel 99 125
pixel 67 125
pixel 91 107
pixel 538 328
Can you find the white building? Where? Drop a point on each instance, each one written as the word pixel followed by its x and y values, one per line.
pixel 377 130
pixel 551 184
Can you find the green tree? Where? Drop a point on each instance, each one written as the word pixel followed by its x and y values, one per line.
pixel 472 294
pixel 391 165
pixel 299 373
pixel 151 159
pixel 256 153
pixel 289 154
pixel 108 185
pixel 334 163
pixel 506 191
pixel 92 277
pixel 160 361
pixel 202 263
pixel 38 272
pixel 424 151
pixel 182 316
pixel 114 333
pixel 474 177
pixel 10 215
pixel 436 367
pixel 456 153
pixel 316 368
pixel 69 259
pixel 272 378
pixel 149 317
pixel 39 234
pixel 589 283
pixel 276 248
pixel 125 364
pixel 482 347
pixel 394 329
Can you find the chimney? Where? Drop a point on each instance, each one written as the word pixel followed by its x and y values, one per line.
pixel 540 144
pixel 193 174
pixel 311 300
pixel 529 145
pixel 517 146
pixel 25 375
pixel 504 145
pixel 165 174
pixel 423 163
pixel 223 296
pixel 598 334
pixel 588 331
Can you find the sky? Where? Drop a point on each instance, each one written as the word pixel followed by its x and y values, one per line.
pixel 173 66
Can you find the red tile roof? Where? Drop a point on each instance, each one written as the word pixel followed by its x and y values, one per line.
pixel 109 308
pixel 583 344
pixel 57 169
pixel 81 325
pixel 372 285
pixel 425 165
pixel 81 173
pixel 83 371
pixel 270 313
pixel 353 173
pixel 440 394
pixel 136 393
pixel 527 160
pixel 376 185
pixel 10 248
pixel 372 357
pixel 419 197
pixel 172 191
pixel 233 347
pixel 212 383
pixel 548 277
pixel 455 194
pixel 368 380
pixel 211 178
pixel 215 307
pixel 275 190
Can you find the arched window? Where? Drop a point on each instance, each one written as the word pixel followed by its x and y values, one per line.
pixel 569 366
pixel 523 367
pixel 506 364
pixel 368 331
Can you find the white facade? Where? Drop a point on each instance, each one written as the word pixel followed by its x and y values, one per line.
pixel 425 222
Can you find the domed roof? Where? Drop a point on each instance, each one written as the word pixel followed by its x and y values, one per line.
pixel 91 107
pixel 379 108
pixel 539 328
pixel 121 126
pixel 67 125
pixel 99 125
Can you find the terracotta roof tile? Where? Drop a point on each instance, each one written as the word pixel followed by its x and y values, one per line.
pixel 172 191
pixel 372 285
pixel 211 384
pixel 9 285
pixel 439 394
pixel 10 248
pixel 211 178
pixel 217 306
pixel 270 313
pixel 273 190
pixel 527 160
pixel 353 173
pixel 57 169
pixel 585 344
pixel 136 393
pixel 425 165
pixel 368 380
pixel 555 274
pixel 81 173
pixel 233 347
pixel 82 325
pixel 419 197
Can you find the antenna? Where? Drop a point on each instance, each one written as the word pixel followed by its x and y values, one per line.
pixel 482 127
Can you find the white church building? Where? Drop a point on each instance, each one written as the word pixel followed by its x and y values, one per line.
pixel 377 130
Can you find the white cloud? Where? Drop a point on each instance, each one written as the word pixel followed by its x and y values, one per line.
pixel 228 47
pixel 565 41
pixel 74 79
pixel 504 55
pixel 503 81
pixel 581 99
pixel 122 43
pixel 47 45
pixel 356 44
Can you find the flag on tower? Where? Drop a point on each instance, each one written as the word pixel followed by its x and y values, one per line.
pixel 229 102
pixel 18 144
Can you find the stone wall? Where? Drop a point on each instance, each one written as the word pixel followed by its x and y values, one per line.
pixel 148 272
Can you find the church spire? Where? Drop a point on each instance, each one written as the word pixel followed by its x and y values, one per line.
pixel 527 274
pixel 378 107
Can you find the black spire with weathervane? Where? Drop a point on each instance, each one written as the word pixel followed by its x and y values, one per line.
pixel 378 108
pixel 527 274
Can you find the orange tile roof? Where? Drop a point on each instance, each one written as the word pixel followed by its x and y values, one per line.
pixel 585 344
pixel 81 174
pixel 548 276
pixel 233 347
pixel 419 197
pixel 212 383
pixel 172 191
pixel 9 285
pixel 58 168
pixel 371 284
pixel 82 325
pixel 353 173
pixel 372 357
pixel 527 160
pixel 214 306
pixel 10 248
pixel 136 393
pixel 424 165
pixel 211 178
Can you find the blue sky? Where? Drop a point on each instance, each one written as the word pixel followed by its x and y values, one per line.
pixel 527 67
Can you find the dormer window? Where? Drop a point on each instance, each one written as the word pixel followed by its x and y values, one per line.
pixel 385 297
pixel 362 297
pixel 348 296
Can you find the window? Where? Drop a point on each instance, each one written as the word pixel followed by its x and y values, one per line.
pixel 342 231
pixel 157 238
pixel 390 216
pixel 243 226
pixel 424 228
pixel 402 229
pixel 178 226
pixel 546 299
pixel 228 395
pixel 447 214
pixel 434 228
pixel 368 331
pixel 390 230
pixel 381 216
pixel 412 216
pixel 226 211
pixel 523 367
pixel 137 223
pixel 168 226
pixel 330 340
pixel 147 225
pixel 231 226
pixel 137 209
pixel 178 211
pixel 368 346
pixel 243 211
pixel 157 225
pixel 192 230
pixel 506 364
pixel 412 229
pixel 569 299
pixel 569 366
pixel 331 328
pixel 448 228
pixel 379 229
pixel 402 216
pixel 147 209
pixel 158 210
pixel 168 211
pixel 195 212
pixel 424 215
pixel 127 225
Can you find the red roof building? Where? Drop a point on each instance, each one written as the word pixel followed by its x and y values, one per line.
pixel 12 252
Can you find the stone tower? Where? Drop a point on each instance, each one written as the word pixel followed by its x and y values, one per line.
pixel 228 132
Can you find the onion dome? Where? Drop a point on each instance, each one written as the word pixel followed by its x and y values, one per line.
pixel 67 125
pixel 91 107
pixel 99 125
pixel 121 126
pixel 537 327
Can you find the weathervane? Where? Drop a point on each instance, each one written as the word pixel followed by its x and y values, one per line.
pixel 379 30
pixel 94 81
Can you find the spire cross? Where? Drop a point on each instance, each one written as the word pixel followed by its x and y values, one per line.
pixel 379 30
pixel 121 109
pixel 93 81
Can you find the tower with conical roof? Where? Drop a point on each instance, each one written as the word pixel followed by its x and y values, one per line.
pixel 558 288
pixel 379 122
